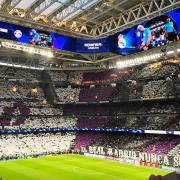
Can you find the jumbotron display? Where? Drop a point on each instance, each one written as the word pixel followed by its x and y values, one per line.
pixel 156 32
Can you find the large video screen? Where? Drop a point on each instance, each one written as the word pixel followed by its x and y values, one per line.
pixel 36 37
pixel 142 37
pixel 153 33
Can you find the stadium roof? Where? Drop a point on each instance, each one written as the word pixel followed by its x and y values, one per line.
pixel 83 18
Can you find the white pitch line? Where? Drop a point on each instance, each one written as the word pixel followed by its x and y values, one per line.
pixel 87 171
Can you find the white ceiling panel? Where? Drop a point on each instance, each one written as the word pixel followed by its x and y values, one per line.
pixel 25 4
pixel 1 1
pixel 49 10
pixel 76 8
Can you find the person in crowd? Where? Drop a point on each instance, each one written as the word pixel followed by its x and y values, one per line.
pixel 153 177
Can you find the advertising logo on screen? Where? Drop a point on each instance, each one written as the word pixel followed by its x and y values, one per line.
pixel 3 30
pixel 121 41
pixel 18 34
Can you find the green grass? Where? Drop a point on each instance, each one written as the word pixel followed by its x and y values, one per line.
pixel 72 167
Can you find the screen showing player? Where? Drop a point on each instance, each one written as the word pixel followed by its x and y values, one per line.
pixel 158 32
pixel 41 38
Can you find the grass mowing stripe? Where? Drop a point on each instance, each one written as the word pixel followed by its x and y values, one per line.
pixel 11 173
pixel 113 168
pixel 33 172
pixel 89 167
pixel 75 170
pixel 72 167
pixel 125 167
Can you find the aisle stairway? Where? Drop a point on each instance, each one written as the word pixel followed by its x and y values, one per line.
pixel 48 87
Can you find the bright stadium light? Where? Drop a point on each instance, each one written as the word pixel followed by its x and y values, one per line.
pixel 170 52
pixel 21 66
pixel 50 54
pixel 137 61
pixel 31 50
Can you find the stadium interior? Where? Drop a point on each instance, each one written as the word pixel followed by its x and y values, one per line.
pixel 90 77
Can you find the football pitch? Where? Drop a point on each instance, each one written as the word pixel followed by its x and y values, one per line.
pixel 72 167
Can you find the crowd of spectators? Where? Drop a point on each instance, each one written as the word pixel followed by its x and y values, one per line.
pixel 19 73
pixel 30 103
pixel 149 89
pixel 175 151
pixel 58 76
pixel 157 89
pixel 68 94
pixel 85 139
pixel 161 147
pixel 156 80
pixel 158 70
pixel 74 77
pixel 29 144
pixel 20 115
pixel 126 91
pixel 86 78
pixel 48 111
pixel 104 77
pixel 49 122
pixel 154 116
pixel 150 122
pixel 153 81
pixel 32 122
pixel 160 144
pixel 20 90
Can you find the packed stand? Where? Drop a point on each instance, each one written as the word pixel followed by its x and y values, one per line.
pixel 157 70
pixel 75 77
pixel 160 147
pixel 58 76
pixel 68 94
pixel 48 122
pixel 160 144
pixel 104 77
pixel 85 139
pixel 32 144
pixel 20 90
pixel 175 151
pixel 19 115
pixel 151 81
pixel 19 73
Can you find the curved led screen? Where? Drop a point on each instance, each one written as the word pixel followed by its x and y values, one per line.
pixel 153 33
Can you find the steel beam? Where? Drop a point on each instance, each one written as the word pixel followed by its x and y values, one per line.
pixel 60 9
pixel 106 11
pixel 14 3
pixel 32 8
pixel 134 15
pixel 5 5
pixel 44 5
pixel 79 5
